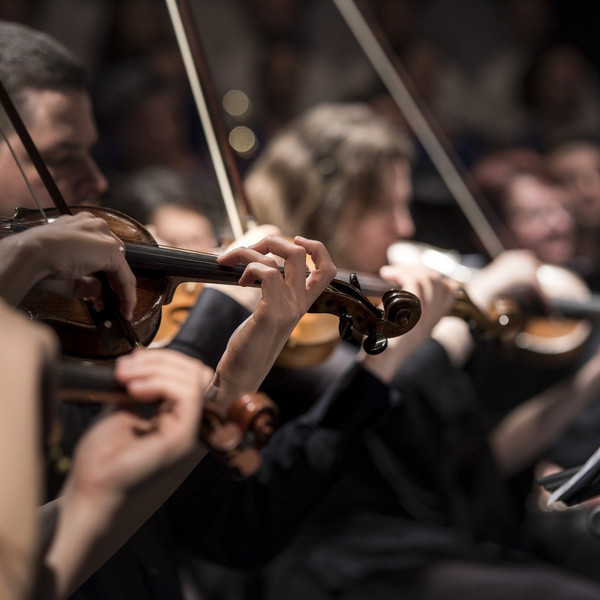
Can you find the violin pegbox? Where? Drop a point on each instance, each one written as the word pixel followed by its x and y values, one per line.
pixel 400 313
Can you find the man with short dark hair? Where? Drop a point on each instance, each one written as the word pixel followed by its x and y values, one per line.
pixel 49 87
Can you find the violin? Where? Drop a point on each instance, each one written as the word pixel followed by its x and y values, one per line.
pixel 234 436
pixel 546 336
pixel 160 270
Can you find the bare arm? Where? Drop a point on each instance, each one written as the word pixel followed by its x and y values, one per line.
pixel 26 348
pixel 126 466
pixel 529 429
pixel 254 347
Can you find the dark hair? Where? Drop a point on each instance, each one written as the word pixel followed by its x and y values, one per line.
pixel 32 60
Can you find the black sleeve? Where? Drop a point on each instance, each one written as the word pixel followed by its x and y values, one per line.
pixel 243 523
pixel 210 324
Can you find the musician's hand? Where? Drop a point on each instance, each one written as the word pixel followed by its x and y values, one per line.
pixel 126 465
pixel 436 294
pixel 513 274
pixel 249 297
pixel 256 344
pixel 61 257
pixel 123 449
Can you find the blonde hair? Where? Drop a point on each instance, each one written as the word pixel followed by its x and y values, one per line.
pixel 323 171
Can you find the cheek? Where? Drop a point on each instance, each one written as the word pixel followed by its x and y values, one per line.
pixel 367 246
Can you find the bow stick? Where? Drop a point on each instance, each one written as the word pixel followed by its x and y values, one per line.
pixel 375 46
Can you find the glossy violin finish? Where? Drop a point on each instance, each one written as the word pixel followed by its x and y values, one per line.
pixel 176 312
pixel 234 436
pixel 547 336
pixel 160 270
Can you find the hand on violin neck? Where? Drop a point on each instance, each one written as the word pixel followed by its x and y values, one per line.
pixel 513 274
pixel 285 298
pixel 125 467
pixel 125 447
pixel 436 294
pixel 62 255
pixel 249 297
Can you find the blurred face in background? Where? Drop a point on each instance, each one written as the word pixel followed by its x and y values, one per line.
pixel 577 168
pixel 536 215
pixel 183 228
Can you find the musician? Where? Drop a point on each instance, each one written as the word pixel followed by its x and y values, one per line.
pixel 529 203
pixel 51 94
pixel 388 528
pixel 176 213
pixel 113 488
pixel 541 203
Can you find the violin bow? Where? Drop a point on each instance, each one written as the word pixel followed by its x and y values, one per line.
pixel 201 83
pixel 374 44
pixel 110 323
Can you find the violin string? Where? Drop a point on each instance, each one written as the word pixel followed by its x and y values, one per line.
pixel 23 174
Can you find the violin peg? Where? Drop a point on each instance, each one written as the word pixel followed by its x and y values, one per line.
pixel 255 413
pixel 375 343
pixel 346 326
pixel 353 279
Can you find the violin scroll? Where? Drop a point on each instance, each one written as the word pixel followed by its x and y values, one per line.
pixel 401 312
pixel 235 436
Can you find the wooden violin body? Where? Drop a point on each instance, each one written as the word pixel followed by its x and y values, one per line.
pixel 82 332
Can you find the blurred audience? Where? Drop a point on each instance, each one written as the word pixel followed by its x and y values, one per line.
pixel 575 163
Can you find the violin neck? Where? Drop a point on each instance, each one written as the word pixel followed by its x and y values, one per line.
pixel 578 308
pixel 88 383
pixel 186 265
pixel 182 265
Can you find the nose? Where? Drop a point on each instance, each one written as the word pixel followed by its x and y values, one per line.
pixel 403 224
pixel 93 183
pixel 559 220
